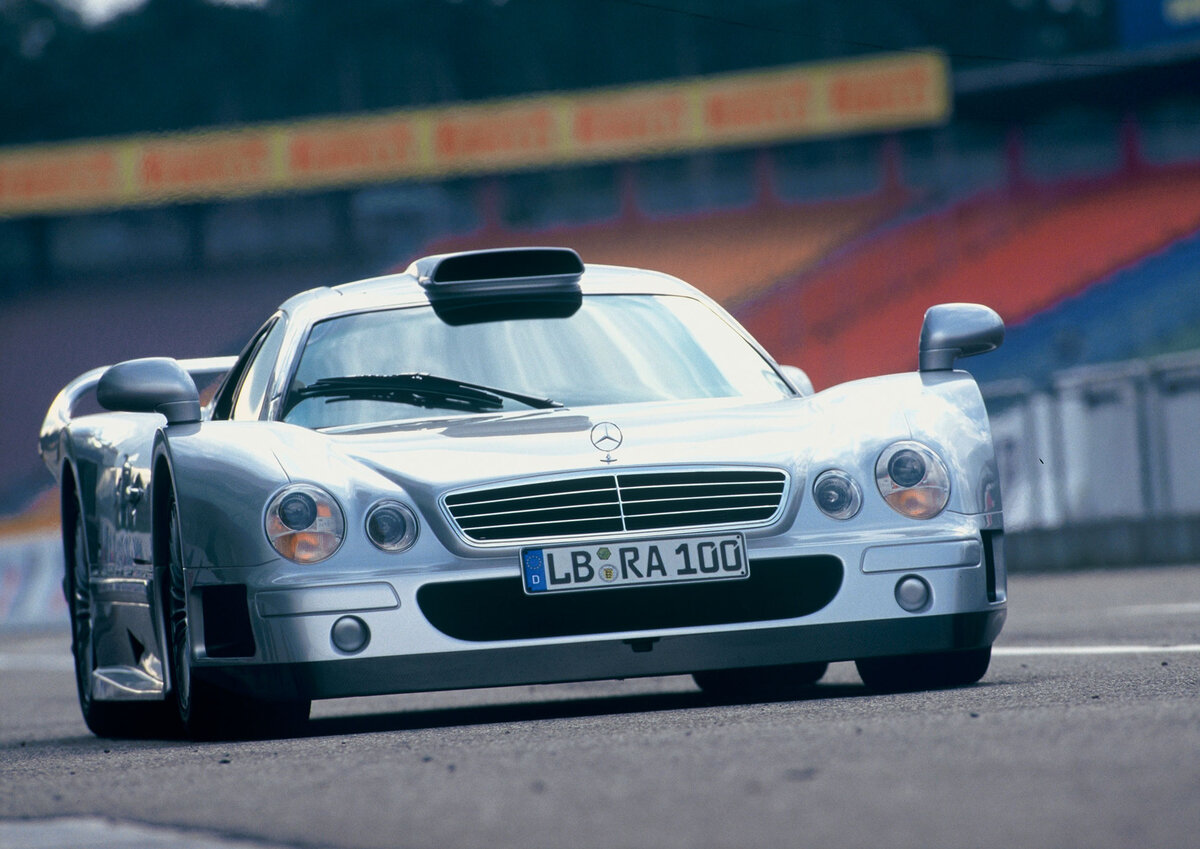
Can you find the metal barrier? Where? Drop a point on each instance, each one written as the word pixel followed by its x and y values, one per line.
pixel 31 573
pixel 1101 466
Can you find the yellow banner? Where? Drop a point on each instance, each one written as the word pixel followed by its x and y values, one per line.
pixel 886 92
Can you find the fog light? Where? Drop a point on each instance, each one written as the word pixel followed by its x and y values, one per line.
pixel 350 634
pixel 912 593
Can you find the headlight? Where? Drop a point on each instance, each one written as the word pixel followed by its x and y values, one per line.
pixel 913 480
pixel 391 526
pixel 304 523
pixel 837 495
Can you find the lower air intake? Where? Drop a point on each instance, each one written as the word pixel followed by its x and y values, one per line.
pixel 499 609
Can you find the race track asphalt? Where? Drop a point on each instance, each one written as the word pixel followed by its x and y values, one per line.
pixel 1084 733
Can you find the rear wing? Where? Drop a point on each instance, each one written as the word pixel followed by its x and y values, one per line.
pixel 203 371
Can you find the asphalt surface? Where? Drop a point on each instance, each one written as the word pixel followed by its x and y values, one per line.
pixel 1084 733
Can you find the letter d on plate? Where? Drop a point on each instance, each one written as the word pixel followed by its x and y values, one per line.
pixel 534 571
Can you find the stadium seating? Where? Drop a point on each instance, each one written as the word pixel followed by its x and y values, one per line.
pixel 840 287
pixel 858 313
pixel 730 255
pixel 1148 308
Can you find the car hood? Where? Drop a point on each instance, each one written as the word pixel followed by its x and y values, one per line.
pixel 440 455
pixel 519 445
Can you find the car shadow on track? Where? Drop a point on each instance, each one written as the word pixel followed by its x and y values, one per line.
pixel 566 708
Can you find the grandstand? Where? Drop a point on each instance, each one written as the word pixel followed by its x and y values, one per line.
pixel 1021 251
pixel 1144 309
pixel 730 255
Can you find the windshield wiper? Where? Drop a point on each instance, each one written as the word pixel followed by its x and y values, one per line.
pixel 417 389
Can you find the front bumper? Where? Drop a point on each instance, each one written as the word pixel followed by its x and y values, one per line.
pixel 607 658
pixel 475 628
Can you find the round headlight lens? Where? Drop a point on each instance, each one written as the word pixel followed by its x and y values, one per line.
pixel 391 526
pixel 297 511
pixel 837 495
pixel 913 480
pixel 906 468
pixel 304 523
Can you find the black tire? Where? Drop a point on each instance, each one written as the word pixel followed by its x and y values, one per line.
pixel 924 671
pixel 761 682
pixel 104 719
pixel 204 711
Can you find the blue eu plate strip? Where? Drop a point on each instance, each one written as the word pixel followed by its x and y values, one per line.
pixel 535 570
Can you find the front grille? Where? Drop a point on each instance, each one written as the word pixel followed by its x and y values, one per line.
pixel 611 504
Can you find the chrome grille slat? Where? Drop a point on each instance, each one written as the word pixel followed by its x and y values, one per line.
pixel 731 500
pixel 541 518
pixel 696 511
pixel 544 523
pixel 647 489
pixel 604 504
pixel 534 511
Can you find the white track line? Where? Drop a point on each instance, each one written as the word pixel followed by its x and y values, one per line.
pixel 1185 608
pixel 17 662
pixel 1025 651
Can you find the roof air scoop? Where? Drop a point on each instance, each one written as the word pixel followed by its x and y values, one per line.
pixel 503 270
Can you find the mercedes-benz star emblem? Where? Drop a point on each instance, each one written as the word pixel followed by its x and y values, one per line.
pixel 606 436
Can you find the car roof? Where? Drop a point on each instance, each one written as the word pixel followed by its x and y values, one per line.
pixel 405 289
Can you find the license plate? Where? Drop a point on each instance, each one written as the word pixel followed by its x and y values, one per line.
pixel 621 564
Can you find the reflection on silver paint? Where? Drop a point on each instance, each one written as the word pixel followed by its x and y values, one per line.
pixel 334 599
pixel 96 833
pixel 922 555
pixel 122 683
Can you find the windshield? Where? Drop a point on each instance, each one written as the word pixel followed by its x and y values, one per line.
pixel 603 349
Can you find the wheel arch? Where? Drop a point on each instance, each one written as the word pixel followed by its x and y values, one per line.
pixel 162 494
pixel 70 510
pixel 77 498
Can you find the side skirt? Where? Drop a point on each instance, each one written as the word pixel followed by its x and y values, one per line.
pixel 129 663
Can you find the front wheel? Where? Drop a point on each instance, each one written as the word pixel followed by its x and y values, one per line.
pixel 206 711
pixel 934 671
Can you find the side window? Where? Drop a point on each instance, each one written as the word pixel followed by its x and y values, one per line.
pixel 223 402
pixel 251 396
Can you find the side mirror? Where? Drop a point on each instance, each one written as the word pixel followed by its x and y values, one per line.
pixel 952 331
pixel 152 385
pixel 798 378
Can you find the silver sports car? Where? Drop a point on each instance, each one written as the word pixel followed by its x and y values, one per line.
pixel 506 467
